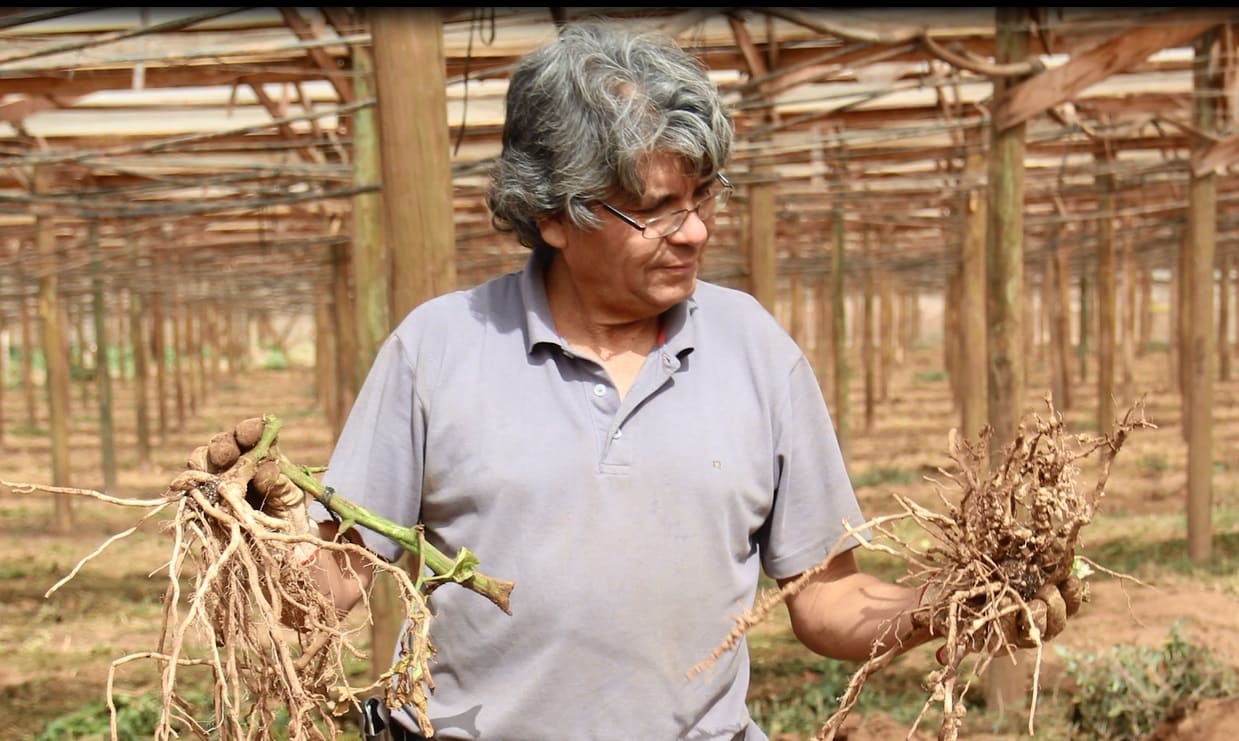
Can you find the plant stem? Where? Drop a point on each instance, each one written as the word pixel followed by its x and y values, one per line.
pixel 458 569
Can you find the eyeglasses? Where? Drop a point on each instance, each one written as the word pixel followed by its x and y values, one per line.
pixel 668 224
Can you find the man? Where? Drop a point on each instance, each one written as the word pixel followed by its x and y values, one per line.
pixel 631 446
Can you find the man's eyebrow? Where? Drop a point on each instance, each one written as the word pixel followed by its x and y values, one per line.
pixel 666 198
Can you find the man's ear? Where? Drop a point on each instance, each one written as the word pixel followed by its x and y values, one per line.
pixel 553 231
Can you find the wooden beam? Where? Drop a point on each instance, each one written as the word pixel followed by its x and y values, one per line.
pixel 1035 95
pixel 318 55
pixel 1215 156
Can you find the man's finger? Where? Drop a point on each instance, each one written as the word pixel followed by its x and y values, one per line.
pixel 1056 610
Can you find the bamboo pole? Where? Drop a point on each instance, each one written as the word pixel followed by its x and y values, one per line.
pixel 178 358
pixel 761 233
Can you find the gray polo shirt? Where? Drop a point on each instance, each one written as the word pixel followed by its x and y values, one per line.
pixel 633 529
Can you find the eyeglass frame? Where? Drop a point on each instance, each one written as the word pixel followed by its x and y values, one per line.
pixel 682 214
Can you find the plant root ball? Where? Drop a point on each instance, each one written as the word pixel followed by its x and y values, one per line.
pixel 197 460
pixel 1075 594
pixel 1055 610
pixel 248 432
pixel 222 451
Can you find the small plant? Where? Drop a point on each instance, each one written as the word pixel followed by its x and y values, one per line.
pixel 1127 691
pixel 936 376
pixel 879 475
pixel 1154 463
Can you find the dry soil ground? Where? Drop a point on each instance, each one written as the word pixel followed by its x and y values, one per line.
pixel 57 650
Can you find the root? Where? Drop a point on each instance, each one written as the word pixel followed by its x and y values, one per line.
pixel 272 644
pixel 1012 529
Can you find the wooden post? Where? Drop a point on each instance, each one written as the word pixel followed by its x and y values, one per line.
pixel 410 81
pixel 867 332
pixel 1058 264
pixel 838 316
pixel 137 337
pixel 1084 324
pixel 103 380
pixel 1008 680
pixel 1107 292
pixel 823 327
pixel 974 395
pixel 1202 225
pixel 159 360
pixel 55 355
pixel 886 332
pixel 1145 329
pixel 27 362
pixel 761 253
pixel 370 259
pixel 1127 390
pixel 178 359
pixel 1223 317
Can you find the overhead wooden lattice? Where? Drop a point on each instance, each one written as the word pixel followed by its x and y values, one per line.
pixel 211 147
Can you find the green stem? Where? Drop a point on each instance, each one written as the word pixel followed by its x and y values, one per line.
pixel 461 569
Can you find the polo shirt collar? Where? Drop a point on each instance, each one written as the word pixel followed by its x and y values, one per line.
pixel 678 331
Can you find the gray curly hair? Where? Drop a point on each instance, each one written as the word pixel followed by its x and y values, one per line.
pixel 583 113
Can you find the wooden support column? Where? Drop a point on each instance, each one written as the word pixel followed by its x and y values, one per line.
pixel 763 265
pixel 409 73
pixel 159 360
pixel 974 397
pixel 1127 386
pixel 55 355
pixel 137 338
pixel 867 332
pixel 27 361
pixel 886 332
pixel 838 315
pixel 1085 323
pixel 823 328
pixel 417 179
pixel 1107 291
pixel 1008 680
pixel 1223 316
pixel 178 359
pixel 1059 261
pixel 103 380
pixel 1145 330
pixel 1202 225
pixel 369 255
pixel 952 342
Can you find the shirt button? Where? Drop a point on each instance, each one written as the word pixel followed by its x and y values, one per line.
pixel 618 434
pixel 600 389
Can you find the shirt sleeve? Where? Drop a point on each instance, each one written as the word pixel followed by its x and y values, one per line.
pixel 378 460
pixel 814 503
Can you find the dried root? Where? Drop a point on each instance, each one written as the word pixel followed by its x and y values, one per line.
pixel 998 573
pixel 270 640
